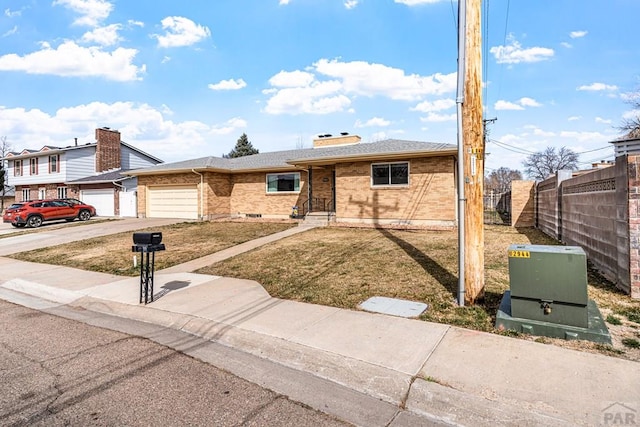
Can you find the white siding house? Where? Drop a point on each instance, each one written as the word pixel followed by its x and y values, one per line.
pixel 93 170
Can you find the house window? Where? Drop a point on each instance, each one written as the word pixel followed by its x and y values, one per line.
pixel 42 193
pixel 283 182
pixel 62 192
pixel 386 174
pixel 33 166
pixel 25 194
pixel 17 168
pixel 53 164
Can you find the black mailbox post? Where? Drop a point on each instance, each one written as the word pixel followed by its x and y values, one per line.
pixel 147 243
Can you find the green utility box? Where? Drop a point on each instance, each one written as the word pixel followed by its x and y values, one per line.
pixel 549 284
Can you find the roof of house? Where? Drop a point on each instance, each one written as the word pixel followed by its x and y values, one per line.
pixel 50 149
pixel 105 177
pixel 387 149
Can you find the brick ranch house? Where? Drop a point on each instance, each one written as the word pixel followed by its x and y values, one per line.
pixel 391 182
pixel 92 172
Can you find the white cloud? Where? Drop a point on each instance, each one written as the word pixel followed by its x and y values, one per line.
pixel 506 105
pixel 417 2
pixel 133 23
pixel 12 13
pixel 230 84
pixel 298 92
pixel 317 98
pixel 92 11
pixel 165 59
pixel 437 118
pixel 180 32
pixel 141 125
pixel 584 136
pixel 350 4
pixel 371 79
pixel 104 36
pixel 291 79
pixel 631 115
pixel 229 127
pixel 598 87
pixel 529 102
pixel 518 105
pixel 514 53
pixel 285 2
pixel 437 105
pixel 577 34
pixel 11 31
pixel 567 45
pixel 373 122
pixel 539 132
pixel 69 59
pixel 603 121
pixel 574 118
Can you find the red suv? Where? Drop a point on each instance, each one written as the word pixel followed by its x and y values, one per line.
pixel 34 213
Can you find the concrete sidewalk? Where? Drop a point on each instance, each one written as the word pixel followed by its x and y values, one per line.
pixel 368 369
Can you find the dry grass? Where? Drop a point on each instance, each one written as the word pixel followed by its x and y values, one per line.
pixel 184 242
pixel 342 267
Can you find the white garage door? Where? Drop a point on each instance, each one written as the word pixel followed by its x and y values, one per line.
pixel 102 200
pixel 173 202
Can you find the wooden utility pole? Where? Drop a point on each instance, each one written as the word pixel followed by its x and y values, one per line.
pixel 473 140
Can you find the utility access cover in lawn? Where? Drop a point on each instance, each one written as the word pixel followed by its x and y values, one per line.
pixel 394 307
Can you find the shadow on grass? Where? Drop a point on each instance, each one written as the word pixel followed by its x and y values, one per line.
pixel 441 274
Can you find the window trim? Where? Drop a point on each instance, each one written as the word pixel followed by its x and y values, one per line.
pixel 26 192
pixel 17 167
pixel 61 192
pixel 389 184
pixel 56 159
pixel 295 174
pixel 33 165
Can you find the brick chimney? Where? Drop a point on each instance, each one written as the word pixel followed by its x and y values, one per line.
pixel 328 140
pixel 108 149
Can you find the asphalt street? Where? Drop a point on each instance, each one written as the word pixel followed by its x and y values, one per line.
pixel 56 371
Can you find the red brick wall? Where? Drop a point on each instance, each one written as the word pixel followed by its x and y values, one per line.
pixel 108 153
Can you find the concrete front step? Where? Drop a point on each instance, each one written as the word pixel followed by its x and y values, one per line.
pixel 319 218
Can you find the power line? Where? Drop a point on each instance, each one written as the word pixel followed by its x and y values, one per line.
pixel 511 148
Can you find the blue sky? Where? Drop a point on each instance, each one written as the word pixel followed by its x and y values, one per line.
pixel 184 79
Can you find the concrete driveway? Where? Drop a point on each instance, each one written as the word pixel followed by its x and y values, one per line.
pixel 46 235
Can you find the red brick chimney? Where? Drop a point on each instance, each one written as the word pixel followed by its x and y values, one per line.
pixel 108 149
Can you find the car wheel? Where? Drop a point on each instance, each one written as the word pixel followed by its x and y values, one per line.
pixel 34 221
pixel 19 225
pixel 84 215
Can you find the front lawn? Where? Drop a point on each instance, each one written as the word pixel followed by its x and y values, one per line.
pixel 184 241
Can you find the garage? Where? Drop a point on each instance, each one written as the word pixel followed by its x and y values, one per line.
pixel 102 200
pixel 173 202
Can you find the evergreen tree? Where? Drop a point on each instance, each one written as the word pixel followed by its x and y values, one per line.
pixel 243 148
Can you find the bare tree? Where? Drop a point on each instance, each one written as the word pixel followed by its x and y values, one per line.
pixel 500 179
pixel 540 165
pixel 631 126
pixel 5 148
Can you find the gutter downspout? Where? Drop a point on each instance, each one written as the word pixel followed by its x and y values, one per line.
pixel 462 29
pixel 201 193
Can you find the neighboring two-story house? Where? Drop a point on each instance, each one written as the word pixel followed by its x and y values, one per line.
pixel 92 172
